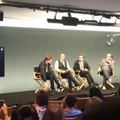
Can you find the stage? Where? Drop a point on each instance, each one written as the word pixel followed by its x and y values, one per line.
pixel 29 96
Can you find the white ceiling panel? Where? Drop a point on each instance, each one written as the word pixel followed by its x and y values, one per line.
pixel 24 17
pixel 109 5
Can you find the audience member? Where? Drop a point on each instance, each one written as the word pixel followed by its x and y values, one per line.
pixel 106 110
pixel 117 94
pixel 56 114
pixel 68 105
pixel 4 115
pixel 94 91
pixel 25 112
pixel 96 97
pixel 41 102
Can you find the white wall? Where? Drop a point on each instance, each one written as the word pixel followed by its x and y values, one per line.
pixel 25 48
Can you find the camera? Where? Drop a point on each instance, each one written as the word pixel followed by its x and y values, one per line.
pixel 1 103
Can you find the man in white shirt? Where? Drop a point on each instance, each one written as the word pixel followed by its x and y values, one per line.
pixel 62 67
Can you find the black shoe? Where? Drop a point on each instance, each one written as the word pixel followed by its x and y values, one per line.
pixel 52 92
pixel 92 85
pixel 71 91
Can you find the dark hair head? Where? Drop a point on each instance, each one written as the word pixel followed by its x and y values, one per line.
pixel 95 92
pixel 25 112
pixel 41 98
pixel 70 100
pixel 82 54
pixel 53 114
pixel 106 110
pixel 118 93
pixel 48 57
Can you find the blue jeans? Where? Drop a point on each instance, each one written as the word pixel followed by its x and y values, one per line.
pixel 106 75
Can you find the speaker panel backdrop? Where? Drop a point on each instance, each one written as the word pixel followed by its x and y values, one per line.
pixel 26 47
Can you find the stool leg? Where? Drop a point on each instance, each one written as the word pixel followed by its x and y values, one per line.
pixel 110 84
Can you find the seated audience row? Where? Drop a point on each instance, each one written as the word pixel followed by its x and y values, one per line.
pixel 96 108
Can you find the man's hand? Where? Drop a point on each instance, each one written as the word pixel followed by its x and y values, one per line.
pixel 4 112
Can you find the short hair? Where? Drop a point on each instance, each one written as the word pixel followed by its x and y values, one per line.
pixel 41 98
pixel 25 112
pixel 110 55
pixel 95 92
pixel 53 114
pixel 48 57
pixel 82 54
pixel 62 53
pixel 70 100
pixel 106 110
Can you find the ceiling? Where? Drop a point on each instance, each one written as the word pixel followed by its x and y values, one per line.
pixel 109 5
pixel 22 13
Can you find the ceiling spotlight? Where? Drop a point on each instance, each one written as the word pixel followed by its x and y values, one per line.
pixel 112 38
pixel 110 42
pixel 69 20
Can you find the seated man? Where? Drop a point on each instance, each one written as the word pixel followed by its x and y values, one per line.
pixel 47 72
pixel 107 69
pixel 84 70
pixel 62 67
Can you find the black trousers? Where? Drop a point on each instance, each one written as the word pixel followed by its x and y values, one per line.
pixel 70 78
pixel 52 77
pixel 88 76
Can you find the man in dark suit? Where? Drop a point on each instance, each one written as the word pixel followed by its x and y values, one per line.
pixel 47 72
pixel 84 69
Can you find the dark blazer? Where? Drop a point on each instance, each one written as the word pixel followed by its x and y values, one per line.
pixel 42 69
pixel 77 67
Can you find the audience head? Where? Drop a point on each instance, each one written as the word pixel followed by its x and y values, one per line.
pixel 118 93
pixel 95 92
pixel 106 110
pixel 70 100
pixel 50 114
pixel 25 112
pixel 41 97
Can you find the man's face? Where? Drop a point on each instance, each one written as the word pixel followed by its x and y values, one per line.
pixel 62 56
pixel 108 57
pixel 49 61
pixel 81 58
